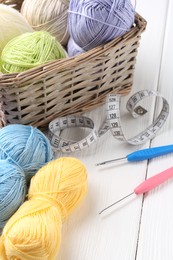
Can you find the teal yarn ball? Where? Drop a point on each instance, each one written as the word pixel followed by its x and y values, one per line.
pixel 23 151
pixel 12 190
pixel 30 50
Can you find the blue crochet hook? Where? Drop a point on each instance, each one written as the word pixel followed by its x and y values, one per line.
pixel 144 154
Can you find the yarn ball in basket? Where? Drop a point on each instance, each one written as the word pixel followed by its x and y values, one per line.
pixel 34 231
pixel 23 150
pixel 95 22
pixel 48 15
pixel 73 49
pixel 30 50
pixel 12 24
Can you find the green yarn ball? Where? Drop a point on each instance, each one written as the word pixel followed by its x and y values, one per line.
pixel 30 50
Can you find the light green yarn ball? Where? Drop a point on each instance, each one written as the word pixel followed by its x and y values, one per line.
pixel 30 50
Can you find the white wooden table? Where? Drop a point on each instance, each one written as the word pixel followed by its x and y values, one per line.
pixel 141 228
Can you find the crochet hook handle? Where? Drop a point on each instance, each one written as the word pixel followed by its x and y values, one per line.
pixel 147 185
pixel 149 153
pixel 154 181
pixel 144 154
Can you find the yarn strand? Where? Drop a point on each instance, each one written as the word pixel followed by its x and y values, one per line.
pixel 96 20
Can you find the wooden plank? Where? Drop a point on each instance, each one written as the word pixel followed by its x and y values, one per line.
pixel 85 234
pixel 156 236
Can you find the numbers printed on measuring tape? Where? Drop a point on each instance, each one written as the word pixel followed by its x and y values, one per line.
pixel 112 123
pixel 59 124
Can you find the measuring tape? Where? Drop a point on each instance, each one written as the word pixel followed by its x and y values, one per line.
pixel 112 123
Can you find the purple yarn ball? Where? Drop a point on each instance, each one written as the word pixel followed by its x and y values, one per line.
pixel 73 49
pixel 95 22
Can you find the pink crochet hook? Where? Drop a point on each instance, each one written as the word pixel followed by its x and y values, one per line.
pixel 147 185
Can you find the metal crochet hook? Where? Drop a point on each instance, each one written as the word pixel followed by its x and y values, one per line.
pixel 144 154
pixel 147 185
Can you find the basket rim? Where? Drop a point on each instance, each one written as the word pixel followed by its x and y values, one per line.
pixel 61 64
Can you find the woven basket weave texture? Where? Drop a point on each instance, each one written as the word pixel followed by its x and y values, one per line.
pixel 71 85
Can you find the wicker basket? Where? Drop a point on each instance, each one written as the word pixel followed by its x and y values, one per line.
pixel 71 85
pixel 17 3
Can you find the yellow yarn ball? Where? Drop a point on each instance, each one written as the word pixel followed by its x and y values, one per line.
pixel 34 231
pixel 12 24
pixel 48 15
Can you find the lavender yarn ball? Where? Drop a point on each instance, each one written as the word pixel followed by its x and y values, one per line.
pixel 95 22
pixel 73 49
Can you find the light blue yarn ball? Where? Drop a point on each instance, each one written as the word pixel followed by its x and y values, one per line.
pixel 25 146
pixel 12 190
pixel 23 151
pixel 95 22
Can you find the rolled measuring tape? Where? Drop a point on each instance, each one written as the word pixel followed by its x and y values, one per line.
pixel 112 123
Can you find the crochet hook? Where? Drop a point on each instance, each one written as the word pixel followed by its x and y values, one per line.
pixel 144 154
pixel 147 185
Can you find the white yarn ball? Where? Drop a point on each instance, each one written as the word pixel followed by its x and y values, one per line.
pixel 48 15
pixel 12 24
